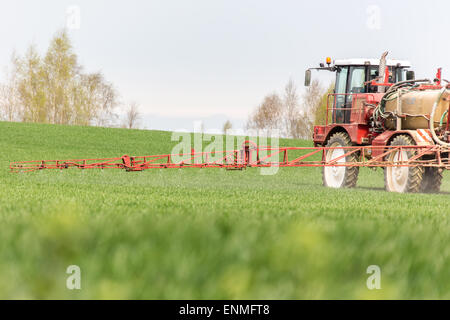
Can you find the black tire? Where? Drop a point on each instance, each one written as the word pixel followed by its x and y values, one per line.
pixel 412 176
pixel 432 180
pixel 350 176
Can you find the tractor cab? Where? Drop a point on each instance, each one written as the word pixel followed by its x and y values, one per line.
pixel 356 77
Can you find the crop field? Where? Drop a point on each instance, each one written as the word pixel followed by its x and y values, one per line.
pixel 206 233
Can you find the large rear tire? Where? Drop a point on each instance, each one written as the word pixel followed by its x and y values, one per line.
pixel 432 180
pixel 403 179
pixel 340 176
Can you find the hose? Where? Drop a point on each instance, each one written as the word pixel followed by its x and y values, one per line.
pixel 441 122
pixel 401 83
pixel 391 94
pixel 435 137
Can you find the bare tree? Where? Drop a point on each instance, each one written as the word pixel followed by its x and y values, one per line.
pixel 132 116
pixel 107 96
pixel 311 98
pixel 268 115
pixel 293 116
pixel 291 112
pixel 227 126
pixel 10 107
pixel 320 109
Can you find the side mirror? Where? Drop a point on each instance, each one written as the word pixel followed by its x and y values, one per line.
pixel 410 75
pixel 307 78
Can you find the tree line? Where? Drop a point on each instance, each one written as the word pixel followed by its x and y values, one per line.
pixel 293 115
pixel 53 88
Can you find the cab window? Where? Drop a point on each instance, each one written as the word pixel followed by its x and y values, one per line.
pixel 400 74
pixel 339 115
pixel 357 79
pixel 341 80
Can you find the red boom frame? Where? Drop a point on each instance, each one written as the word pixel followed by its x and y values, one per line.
pixel 251 155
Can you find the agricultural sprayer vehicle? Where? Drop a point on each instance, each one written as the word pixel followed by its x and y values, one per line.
pixel 381 105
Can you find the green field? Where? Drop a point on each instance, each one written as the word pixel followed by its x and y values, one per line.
pixel 206 233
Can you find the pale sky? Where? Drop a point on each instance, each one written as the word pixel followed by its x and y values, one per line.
pixel 212 59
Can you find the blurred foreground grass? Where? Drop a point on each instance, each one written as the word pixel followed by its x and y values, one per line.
pixel 206 233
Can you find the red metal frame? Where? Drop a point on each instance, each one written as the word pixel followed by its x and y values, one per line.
pixel 251 155
pixel 439 77
pixel 386 82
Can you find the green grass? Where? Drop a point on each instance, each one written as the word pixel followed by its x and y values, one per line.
pixel 206 233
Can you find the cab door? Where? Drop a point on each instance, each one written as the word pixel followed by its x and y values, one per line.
pixel 349 81
pixel 340 97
